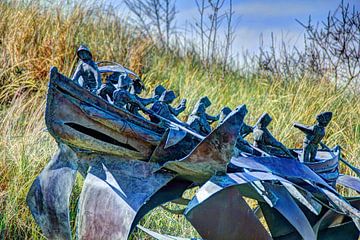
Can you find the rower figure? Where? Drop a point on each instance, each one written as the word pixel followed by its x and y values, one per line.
pixel 313 135
pixel 241 143
pixel 162 108
pixel 107 90
pixel 136 88
pixel 225 111
pixel 207 103
pixel 265 141
pixel 87 73
pixel 124 99
pixel 198 121
pixel 159 89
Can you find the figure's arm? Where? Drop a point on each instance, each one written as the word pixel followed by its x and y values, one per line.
pixel 271 140
pixel 304 128
pixel 133 100
pixel 146 101
pixel 212 118
pixel 179 109
pixel 77 74
pixel 98 77
pixel 245 130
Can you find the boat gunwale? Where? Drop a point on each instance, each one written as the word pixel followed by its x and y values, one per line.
pixel 68 87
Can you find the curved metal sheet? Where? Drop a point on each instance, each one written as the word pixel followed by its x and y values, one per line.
pixel 286 167
pixel 226 215
pixel 113 193
pixel 213 153
pixel 349 181
pixel 49 195
pixel 291 211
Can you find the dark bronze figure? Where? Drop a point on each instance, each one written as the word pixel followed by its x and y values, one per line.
pixel 136 88
pixel 207 103
pixel 87 73
pixel 313 135
pixel 241 143
pixel 124 99
pixel 225 111
pixel 265 141
pixel 198 121
pixel 107 90
pixel 159 89
pixel 162 107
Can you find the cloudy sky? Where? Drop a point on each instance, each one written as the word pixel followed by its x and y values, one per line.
pixel 258 17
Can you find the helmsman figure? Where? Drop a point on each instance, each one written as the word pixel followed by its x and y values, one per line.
pixel 87 73
pixel 313 135
pixel 265 141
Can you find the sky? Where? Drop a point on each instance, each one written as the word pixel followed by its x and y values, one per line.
pixel 262 17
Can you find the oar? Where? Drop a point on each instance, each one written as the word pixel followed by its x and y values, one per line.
pixel 177 125
pixel 355 169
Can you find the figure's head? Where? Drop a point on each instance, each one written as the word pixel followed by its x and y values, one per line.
pixel 84 53
pixel 137 86
pixel 200 109
pixel 242 109
pixel 206 101
pixel 167 97
pixel 159 90
pixel 124 82
pixel 224 112
pixel 113 78
pixel 264 120
pixel 324 118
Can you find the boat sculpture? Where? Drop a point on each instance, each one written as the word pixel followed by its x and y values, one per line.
pixel 131 165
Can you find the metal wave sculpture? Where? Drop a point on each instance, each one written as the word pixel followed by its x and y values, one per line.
pixel 132 165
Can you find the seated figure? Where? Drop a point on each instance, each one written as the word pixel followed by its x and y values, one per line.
pixel 124 99
pixel 241 143
pixel 87 73
pixel 107 90
pixel 313 135
pixel 225 111
pixel 136 88
pixel 207 103
pixel 265 141
pixel 159 89
pixel 162 108
pixel 198 122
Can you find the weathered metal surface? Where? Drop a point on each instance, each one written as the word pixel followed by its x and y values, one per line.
pixel 333 225
pixel 290 211
pixel 113 193
pixel 349 181
pixel 224 214
pixel 213 153
pixel 286 167
pixel 88 122
pixel 48 197
pixel 163 154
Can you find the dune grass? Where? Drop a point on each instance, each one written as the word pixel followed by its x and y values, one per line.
pixel 32 39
